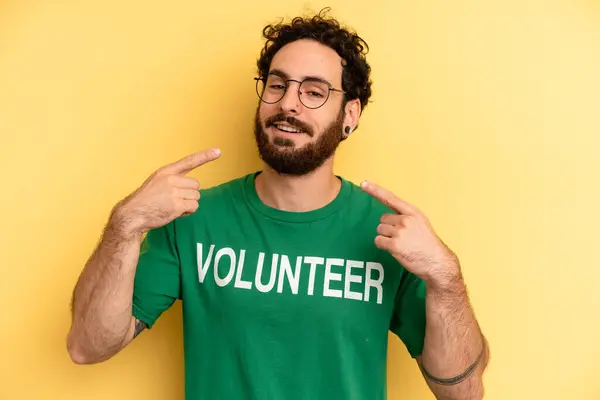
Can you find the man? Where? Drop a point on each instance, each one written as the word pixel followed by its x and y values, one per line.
pixel 290 277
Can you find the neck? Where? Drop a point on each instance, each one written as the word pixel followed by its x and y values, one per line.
pixel 298 193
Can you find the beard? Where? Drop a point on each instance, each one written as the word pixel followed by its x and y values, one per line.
pixel 281 154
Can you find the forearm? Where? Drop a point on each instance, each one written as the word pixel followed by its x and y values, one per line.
pixel 102 299
pixel 455 353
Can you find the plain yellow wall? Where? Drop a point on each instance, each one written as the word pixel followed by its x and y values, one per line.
pixel 486 114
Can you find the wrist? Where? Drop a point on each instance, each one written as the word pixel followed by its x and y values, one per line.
pixel 446 278
pixel 124 224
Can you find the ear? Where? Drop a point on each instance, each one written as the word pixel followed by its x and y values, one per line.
pixel 352 112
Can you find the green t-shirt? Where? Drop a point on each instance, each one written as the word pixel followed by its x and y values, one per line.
pixel 281 305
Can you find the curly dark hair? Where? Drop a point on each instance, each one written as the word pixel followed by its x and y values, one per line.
pixel 328 31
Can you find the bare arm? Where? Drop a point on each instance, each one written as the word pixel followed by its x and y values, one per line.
pixel 102 322
pixel 455 352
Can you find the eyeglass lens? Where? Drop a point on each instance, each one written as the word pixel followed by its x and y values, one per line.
pixel 313 93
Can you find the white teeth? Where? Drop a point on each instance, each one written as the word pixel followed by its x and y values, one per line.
pixel 287 129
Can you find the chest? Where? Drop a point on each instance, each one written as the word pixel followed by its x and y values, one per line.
pixel 280 275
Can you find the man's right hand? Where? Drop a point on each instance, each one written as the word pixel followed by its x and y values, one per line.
pixel 166 195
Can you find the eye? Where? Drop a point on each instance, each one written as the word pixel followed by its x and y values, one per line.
pixel 277 87
pixel 315 94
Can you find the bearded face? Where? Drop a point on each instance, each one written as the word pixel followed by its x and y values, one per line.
pixel 277 139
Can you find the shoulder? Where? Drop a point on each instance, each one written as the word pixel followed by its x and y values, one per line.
pixel 216 202
pixel 232 188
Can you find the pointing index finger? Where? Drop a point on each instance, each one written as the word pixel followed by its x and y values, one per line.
pixel 192 161
pixel 388 198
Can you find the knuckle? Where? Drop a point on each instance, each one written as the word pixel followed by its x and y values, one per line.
pixel 150 180
pixel 194 160
pixel 190 161
pixel 162 171
pixel 158 172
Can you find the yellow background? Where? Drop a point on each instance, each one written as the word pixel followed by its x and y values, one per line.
pixel 486 114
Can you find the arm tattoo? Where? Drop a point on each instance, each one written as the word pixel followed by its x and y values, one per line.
pixel 457 379
pixel 139 327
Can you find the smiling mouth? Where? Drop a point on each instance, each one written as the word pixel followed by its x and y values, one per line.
pixel 287 129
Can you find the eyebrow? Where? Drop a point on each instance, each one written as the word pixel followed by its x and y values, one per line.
pixel 284 75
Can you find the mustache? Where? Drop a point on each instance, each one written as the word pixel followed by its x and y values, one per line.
pixel 293 121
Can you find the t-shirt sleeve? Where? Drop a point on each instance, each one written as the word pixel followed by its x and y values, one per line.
pixel 157 278
pixel 408 320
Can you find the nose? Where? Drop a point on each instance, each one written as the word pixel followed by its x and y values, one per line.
pixel 290 103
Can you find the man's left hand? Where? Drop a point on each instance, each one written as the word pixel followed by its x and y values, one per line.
pixel 409 237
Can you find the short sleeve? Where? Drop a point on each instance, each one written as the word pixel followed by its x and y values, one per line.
pixel 157 277
pixel 408 320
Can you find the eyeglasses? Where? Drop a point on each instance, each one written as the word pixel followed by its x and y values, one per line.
pixel 313 92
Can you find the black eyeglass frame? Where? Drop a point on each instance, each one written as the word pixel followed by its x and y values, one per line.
pixel 286 81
